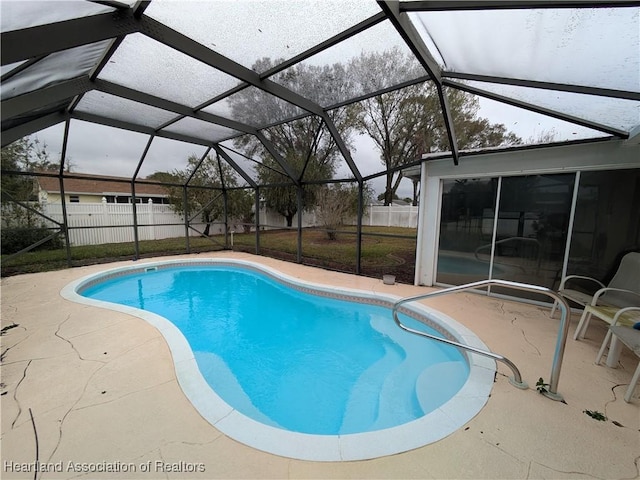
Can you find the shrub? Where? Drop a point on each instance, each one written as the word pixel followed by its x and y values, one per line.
pixel 15 239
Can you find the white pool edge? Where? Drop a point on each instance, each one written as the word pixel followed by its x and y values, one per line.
pixel 434 426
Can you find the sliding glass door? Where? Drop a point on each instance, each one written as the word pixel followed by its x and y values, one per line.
pixel 466 230
pixel 526 240
pixel 532 229
pixel 607 222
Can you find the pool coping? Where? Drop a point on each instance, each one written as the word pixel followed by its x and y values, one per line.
pixel 434 426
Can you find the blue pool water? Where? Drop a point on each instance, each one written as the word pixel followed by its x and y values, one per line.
pixel 294 360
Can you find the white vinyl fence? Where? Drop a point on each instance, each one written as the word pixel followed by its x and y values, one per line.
pixel 113 218
pixel 392 216
pixel 270 219
pixel 385 216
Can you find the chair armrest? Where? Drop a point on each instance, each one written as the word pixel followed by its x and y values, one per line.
pixel 602 291
pixel 621 312
pixel 582 277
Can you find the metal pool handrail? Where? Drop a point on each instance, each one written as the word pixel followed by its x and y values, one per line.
pixel 563 330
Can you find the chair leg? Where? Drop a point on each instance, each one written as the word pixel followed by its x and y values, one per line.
pixel 615 348
pixel 582 325
pixel 553 310
pixel 603 347
pixel 632 385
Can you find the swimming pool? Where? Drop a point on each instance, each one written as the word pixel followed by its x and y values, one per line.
pixel 243 377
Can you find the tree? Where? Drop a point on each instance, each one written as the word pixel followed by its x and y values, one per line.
pixel 22 226
pixel 205 191
pixel 544 136
pixel 305 145
pixel 392 120
pixel 408 122
pixel 382 196
pixel 336 204
pixel 24 155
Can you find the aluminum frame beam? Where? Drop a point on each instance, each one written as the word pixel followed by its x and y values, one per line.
pixel 186 45
pixel 197 167
pixel 110 122
pixel 409 34
pixel 138 9
pixel 350 32
pixel 399 86
pixel 412 38
pixel 24 44
pixel 333 130
pixel 27 102
pixel 278 158
pixel 16 133
pixel 537 109
pixel 111 3
pixel 235 166
pixel 257 162
pixel 165 35
pixel 168 105
pixel 23 66
pixel 562 87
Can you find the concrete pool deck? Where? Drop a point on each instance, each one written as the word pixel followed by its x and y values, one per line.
pixel 102 391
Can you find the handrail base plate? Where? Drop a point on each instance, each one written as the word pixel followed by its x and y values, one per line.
pixel 521 385
pixel 553 396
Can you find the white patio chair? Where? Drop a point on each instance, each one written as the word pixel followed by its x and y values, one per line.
pixel 629 337
pixel 622 290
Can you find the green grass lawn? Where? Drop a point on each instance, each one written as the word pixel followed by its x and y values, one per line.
pixel 45 260
pixel 380 252
pixel 383 249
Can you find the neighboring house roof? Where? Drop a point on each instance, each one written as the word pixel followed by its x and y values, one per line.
pixel 95 185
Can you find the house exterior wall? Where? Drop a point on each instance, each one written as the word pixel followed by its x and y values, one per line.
pixel 605 155
pixel 54 197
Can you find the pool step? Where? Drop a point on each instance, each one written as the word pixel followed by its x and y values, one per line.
pixel 384 395
pixel 397 399
pixel 438 383
pixel 397 389
pixel 363 406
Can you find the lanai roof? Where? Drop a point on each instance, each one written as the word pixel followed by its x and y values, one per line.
pixel 170 69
